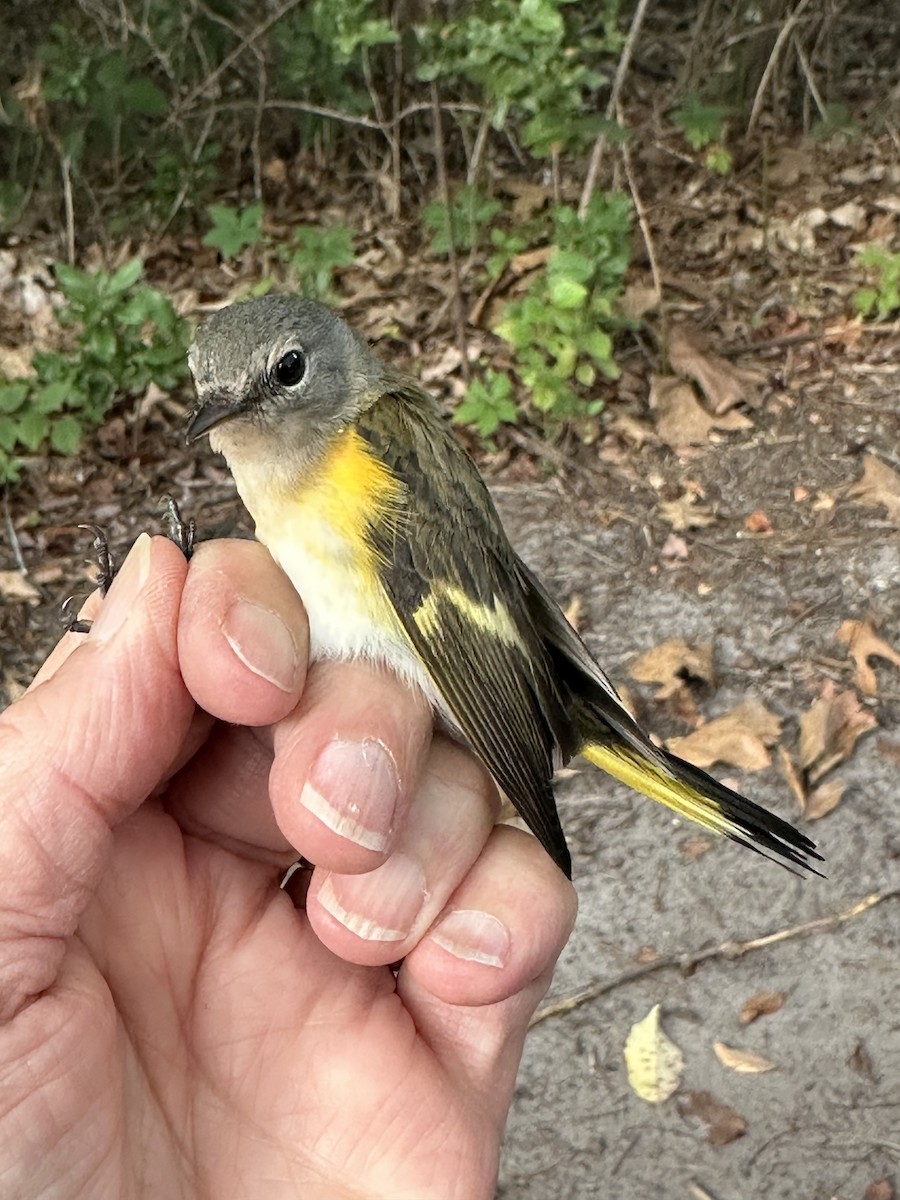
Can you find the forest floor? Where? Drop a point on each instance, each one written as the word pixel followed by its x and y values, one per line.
pixel 729 540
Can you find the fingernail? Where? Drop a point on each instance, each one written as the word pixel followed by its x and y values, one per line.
pixel 353 788
pixel 264 644
pixel 124 591
pixel 380 906
pixel 474 936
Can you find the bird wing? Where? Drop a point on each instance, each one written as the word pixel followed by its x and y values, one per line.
pixel 456 586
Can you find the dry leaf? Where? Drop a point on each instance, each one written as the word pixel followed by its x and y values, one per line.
pixel 686 513
pixel 630 429
pixel 878 486
pixel 864 644
pixel 572 612
pixel 793 777
pixel 682 421
pixel 880 1189
pixel 716 377
pixel 823 799
pixel 723 1124
pixel 758 522
pixel 638 299
pixel 14 586
pixel 762 1004
pixel 672 664
pixel 860 1061
pixel 694 848
pixel 654 1063
pixel 740 739
pixel 674 550
pixel 829 731
pixel 744 1062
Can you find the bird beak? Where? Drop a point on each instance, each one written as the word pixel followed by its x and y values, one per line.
pixel 212 411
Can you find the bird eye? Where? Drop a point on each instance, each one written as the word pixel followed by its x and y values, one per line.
pixel 290 368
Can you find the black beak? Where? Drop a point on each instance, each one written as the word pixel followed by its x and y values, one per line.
pixel 213 411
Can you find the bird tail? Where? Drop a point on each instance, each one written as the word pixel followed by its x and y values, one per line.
pixel 699 797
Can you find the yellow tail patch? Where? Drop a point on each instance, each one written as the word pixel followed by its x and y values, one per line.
pixel 624 764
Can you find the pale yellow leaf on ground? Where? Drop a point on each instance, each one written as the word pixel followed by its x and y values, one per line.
pixel 864 643
pixel 653 1062
pixel 761 1004
pixel 14 586
pixel 740 738
pixel 682 420
pixel 716 377
pixel 823 799
pixel 685 512
pixel 829 731
pixel 879 485
pixel 671 664
pixel 745 1062
pixel 793 777
pixel 572 611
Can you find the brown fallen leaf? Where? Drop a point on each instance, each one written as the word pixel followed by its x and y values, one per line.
pixel 572 611
pixel 638 299
pixel 762 1004
pixel 672 664
pixel 822 799
pixel 723 1124
pixel 686 513
pixel 758 522
pixel 829 731
pixel 691 357
pixel 14 586
pixel 880 1189
pixel 744 1062
pixel 694 848
pixel 864 643
pixel 740 738
pixel 879 485
pixel 860 1062
pixel 793 776
pixel 682 421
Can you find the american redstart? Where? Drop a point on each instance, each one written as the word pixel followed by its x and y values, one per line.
pixel 386 529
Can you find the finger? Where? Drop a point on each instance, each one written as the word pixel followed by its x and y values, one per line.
pixel 473 982
pixel 347 761
pixel 243 638
pixel 79 753
pixel 222 796
pixel 376 918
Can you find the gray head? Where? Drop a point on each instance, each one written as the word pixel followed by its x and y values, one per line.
pixel 262 365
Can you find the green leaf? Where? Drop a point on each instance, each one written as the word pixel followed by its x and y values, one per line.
pixel 65 435
pixel 32 428
pixel 52 397
pixel 13 394
pixel 143 97
pixel 126 276
pixel 566 293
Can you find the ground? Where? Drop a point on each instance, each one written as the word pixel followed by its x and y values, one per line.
pixel 751 533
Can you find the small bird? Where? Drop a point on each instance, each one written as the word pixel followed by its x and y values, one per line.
pixel 386 529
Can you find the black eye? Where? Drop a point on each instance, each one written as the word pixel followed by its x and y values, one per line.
pixel 290 368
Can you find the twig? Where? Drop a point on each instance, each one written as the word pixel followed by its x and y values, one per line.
pixel 810 81
pixel 206 83
pixel 641 213
pixel 612 106
pixel 783 34
pixel 725 950
pixel 12 535
pixel 444 186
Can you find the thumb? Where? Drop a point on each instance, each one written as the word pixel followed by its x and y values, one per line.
pixel 80 752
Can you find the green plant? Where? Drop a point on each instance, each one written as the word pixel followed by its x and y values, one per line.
pixel 470 212
pixel 126 335
pixel 526 61
pixel 233 229
pixel 488 404
pixel 884 296
pixel 561 329
pixel 704 127
pixel 312 256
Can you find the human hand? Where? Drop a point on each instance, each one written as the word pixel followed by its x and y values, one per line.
pixel 170 1023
